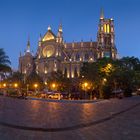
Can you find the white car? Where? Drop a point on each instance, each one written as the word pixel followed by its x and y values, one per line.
pixel 58 96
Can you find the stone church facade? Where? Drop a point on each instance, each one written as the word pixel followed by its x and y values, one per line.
pixel 54 54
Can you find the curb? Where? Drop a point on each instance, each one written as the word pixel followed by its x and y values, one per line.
pixel 65 101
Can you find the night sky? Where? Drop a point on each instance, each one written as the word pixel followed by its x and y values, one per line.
pixel 22 18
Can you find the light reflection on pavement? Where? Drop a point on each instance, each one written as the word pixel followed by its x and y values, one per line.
pixel 57 116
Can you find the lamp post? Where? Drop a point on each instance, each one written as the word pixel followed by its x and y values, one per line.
pixel 27 89
pixel 15 85
pixel 104 80
pixel 70 68
pixel 53 86
pixel 4 85
pixel 85 88
pixel 35 86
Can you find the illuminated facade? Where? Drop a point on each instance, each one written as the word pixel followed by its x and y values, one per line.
pixel 54 54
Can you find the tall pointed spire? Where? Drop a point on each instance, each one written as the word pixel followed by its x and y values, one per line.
pixel 20 54
pixel 28 45
pixel 102 14
pixel 40 37
pixel 60 28
pixel 60 34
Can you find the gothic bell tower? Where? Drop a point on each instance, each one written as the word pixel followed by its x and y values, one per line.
pixel 106 38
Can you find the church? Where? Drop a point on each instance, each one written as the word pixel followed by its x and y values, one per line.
pixel 53 54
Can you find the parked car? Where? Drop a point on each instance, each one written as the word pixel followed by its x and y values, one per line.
pixel 22 97
pixel 30 93
pixel 58 96
pixel 138 91
pixel 118 93
pixel 43 95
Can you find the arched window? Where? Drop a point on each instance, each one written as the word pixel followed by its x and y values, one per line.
pixel 105 28
pixel 65 72
pixel 108 28
pixel 75 72
pixel 86 56
pixel 77 57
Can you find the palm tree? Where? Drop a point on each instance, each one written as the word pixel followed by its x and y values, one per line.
pixel 4 63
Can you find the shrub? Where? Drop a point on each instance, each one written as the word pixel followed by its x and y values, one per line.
pixel 106 92
pixel 12 93
pixel 128 92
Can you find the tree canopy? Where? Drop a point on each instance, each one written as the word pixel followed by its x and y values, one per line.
pixel 4 63
pixel 118 74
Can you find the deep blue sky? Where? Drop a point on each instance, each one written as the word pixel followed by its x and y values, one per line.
pixel 20 18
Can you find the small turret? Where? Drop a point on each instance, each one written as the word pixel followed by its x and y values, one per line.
pixel 49 28
pixel 40 37
pixel 28 45
pixel 20 54
pixel 39 41
pixel 60 28
pixel 82 44
pixel 60 34
pixel 91 42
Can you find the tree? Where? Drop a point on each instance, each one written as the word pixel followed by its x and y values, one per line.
pixel 125 75
pixel 63 83
pixel 4 64
pixel 98 73
pixel 15 77
pixel 136 80
pixel 34 78
pixel 106 93
pixel 130 63
pixel 114 74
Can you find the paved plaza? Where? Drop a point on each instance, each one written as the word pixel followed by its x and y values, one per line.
pixel 112 119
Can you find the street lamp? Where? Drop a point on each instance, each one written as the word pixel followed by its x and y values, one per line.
pixel 45 83
pixel 4 85
pixel 85 84
pixel 104 80
pixel 85 88
pixel 27 89
pixel 53 86
pixel 15 85
pixel 35 86
pixel 82 76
